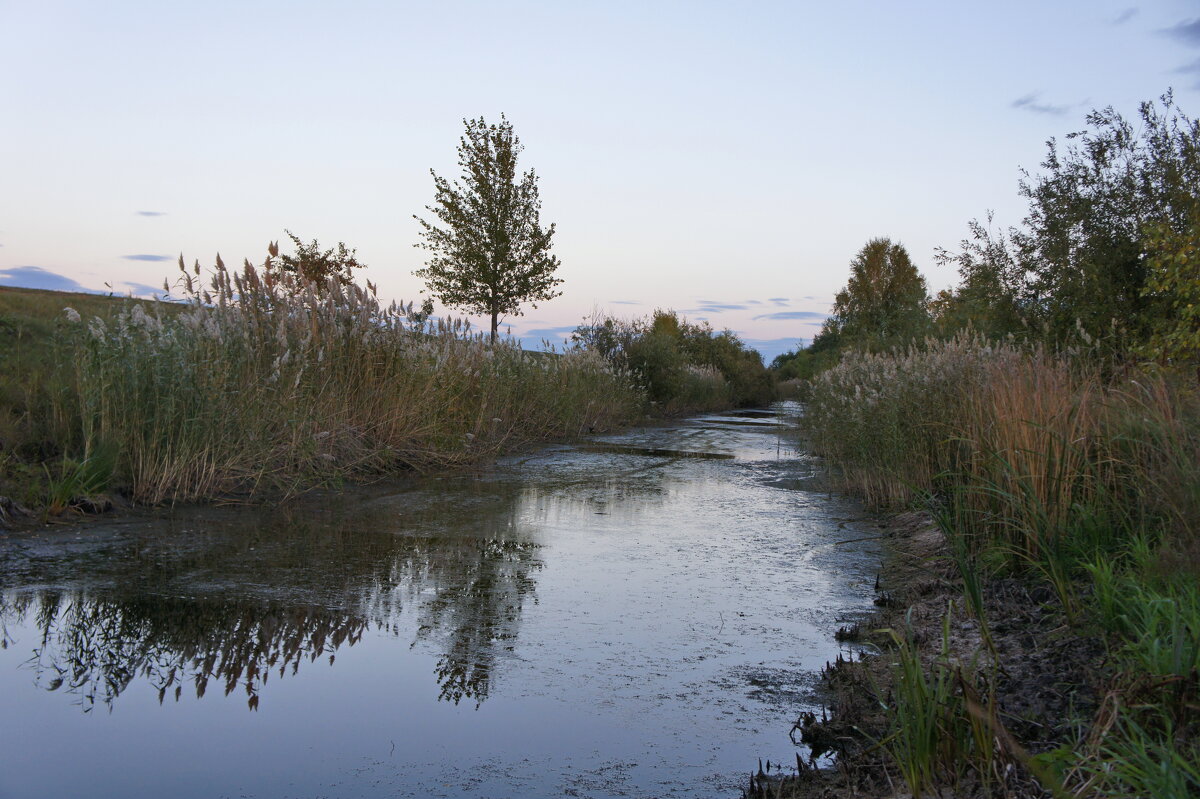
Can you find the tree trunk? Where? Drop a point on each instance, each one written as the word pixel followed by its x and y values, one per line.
pixel 495 324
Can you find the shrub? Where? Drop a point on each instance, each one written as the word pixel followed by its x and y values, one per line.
pixel 684 367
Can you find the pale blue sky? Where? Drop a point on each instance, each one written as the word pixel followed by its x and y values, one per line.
pixel 723 159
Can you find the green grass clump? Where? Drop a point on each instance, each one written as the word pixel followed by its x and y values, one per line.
pixel 931 733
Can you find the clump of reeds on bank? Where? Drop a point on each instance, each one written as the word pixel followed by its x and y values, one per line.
pixel 266 381
pixel 1040 467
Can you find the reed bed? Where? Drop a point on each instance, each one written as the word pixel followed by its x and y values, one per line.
pixel 267 382
pixel 887 422
pixel 1022 444
pixel 1035 464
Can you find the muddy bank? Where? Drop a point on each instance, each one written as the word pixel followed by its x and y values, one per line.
pixel 1037 688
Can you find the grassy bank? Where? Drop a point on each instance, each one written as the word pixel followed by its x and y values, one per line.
pixel 263 382
pixel 1068 499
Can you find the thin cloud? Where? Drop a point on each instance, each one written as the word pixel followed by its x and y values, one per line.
pixel 718 307
pixel 151 213
pixel 1187 32
pixel 35 277
pixel 146 257
pixel 624 302
pixel 813 315
pixel 779 300
pixel 1125 16
pixel 1190 69
pixel 1030 103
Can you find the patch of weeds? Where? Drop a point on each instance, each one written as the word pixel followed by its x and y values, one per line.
pixel 931 736
pixel 78 482
pixel 1146 756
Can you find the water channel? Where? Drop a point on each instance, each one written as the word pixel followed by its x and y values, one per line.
pixel 637 615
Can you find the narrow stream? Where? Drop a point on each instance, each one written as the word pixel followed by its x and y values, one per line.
pixel 639 615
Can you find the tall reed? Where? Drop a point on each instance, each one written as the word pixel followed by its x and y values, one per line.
pixel 1034 463
pixel 1029 451
pixel 888 423
pixel 267 381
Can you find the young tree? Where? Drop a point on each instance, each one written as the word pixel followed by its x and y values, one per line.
pixel 490 252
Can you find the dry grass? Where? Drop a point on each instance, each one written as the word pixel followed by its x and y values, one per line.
pixel 1036 466
pixel 1021 440
pixel 890 422
pixel 267 382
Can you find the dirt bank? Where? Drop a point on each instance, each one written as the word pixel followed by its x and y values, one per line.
pixel 1038 687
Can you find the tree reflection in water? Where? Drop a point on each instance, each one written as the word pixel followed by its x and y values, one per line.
pixel 183 627
pixel 96 647
pixel 477 615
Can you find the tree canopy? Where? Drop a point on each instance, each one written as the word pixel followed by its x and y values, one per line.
pixel 490 253
pixel 884 302
pixel 1103 206
pixel 1172 291
pixel 1105 257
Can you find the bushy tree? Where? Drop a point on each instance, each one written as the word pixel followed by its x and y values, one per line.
pixel 1083 243
pixel 884 303
pixel 490 253
pixel 991 297
pixel 669 354
pixel 1173 294
pixel 311 264
pixel 1079 261
pixel 742 367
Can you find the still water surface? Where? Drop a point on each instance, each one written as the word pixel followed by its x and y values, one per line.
pixel 638 615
